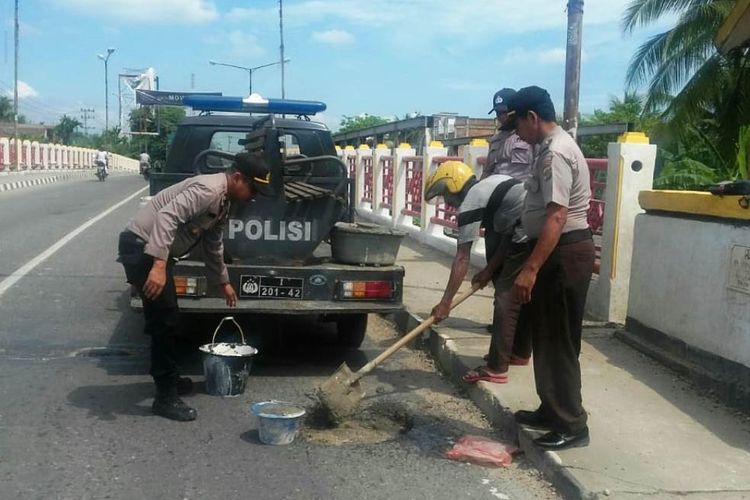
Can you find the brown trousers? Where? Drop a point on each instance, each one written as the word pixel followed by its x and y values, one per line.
pixel 556 317
pixel 510 326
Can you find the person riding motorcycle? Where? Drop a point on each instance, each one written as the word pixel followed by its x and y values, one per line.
pixel 145 164
pixel 101 160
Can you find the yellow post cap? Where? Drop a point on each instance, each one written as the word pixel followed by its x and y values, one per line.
pixel 381 146
pixel 436 144
pixel 479 142
pixel 633 138
pixel 404 145
pixel 363 146
pixel 349 147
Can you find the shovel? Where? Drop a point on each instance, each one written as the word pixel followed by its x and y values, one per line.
pixel 340 395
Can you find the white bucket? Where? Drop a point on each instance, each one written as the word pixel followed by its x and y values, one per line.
pixel 279 422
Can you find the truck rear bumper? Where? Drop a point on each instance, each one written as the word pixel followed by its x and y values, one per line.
pixel 297 307
pixel 316 289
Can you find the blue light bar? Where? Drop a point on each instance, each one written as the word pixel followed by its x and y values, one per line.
pixel 253 104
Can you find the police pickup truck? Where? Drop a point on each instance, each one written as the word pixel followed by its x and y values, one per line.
pixel 276 247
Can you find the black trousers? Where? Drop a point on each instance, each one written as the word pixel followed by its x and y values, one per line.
pixel 556 316
pixel 161 314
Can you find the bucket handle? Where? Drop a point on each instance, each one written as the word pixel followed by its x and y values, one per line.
pixel 228 318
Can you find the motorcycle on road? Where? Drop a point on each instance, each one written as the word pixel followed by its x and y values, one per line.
pixel 101 171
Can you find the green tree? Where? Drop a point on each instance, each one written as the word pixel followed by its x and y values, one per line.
pixel 163 120
pixel 349 123
pixel 629 109
pixel 696 90
pixel 6 111
pixel 64 130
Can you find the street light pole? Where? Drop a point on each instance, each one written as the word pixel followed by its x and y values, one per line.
pixel 250 70
pixel 106 86
pixel 281 49
pixel 17 159
pixel 250 81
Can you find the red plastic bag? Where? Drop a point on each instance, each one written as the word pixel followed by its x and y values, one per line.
pixel 482 451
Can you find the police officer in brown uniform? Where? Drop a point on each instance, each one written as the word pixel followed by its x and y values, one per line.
pixel 508 153
pixel 192 212
pixel 555 278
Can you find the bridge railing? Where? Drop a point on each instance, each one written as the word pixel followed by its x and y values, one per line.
pixel 394 186
pixel 45 156
pixel 391 187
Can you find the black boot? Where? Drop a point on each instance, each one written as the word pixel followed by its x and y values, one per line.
pixel 184 386
pixel 168 404
pixel 172 407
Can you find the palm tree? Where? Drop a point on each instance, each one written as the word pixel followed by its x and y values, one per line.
pixel 689 82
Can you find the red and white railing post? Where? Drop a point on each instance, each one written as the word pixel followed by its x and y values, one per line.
pixel 403 170
pixel 380 155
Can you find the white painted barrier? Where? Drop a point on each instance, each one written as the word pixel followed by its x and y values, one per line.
pixel 630 169
pixel 43 156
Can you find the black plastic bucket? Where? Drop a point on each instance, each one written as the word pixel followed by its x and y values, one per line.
pixel 226 365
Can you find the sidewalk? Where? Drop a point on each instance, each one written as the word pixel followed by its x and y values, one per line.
pixel 19 180
pixel 651 432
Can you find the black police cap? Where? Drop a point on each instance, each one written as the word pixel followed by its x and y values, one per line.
pixel 255 169
pixel 534 99
pixel 500 100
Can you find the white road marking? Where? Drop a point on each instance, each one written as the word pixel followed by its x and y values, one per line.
pixel 22 271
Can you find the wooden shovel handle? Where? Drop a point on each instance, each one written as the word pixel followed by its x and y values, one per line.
pixel 424 325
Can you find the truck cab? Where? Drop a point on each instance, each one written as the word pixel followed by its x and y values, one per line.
pixel 277 247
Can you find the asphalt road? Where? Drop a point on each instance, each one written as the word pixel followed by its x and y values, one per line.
pixel 75 420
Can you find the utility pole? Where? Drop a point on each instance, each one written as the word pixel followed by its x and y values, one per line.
pixel 281 48
pixel 17 159
pixel 573 66
pixel 86 113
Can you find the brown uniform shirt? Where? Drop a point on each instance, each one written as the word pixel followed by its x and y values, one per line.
pixel 508 155
pixel 560 175
pixel 191 212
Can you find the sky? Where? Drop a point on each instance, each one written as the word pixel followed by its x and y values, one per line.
pixel 382 57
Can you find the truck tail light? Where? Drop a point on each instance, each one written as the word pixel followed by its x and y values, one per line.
pixel 191 286
pixel 366 290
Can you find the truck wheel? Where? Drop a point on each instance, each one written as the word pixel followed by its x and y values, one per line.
pixel 351 329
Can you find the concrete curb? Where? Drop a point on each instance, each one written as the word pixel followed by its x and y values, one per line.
pixel 445 354
pixel 62 176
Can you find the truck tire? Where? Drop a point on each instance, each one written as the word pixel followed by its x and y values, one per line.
pixel 351 329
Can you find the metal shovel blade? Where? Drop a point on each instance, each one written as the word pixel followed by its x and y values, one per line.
pixel 341 394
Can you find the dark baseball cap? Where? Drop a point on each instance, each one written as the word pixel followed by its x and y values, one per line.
pixel 500 100
pixel 255 169
pixel 534 99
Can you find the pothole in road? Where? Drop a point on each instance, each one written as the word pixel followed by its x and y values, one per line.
pixel 380 422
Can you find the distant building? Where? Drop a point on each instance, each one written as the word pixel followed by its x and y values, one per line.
pixel 26 130
pixel 450 128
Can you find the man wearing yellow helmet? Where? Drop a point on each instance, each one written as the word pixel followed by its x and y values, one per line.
pixel 495 203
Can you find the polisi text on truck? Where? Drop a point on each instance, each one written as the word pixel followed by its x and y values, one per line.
pixel 271 230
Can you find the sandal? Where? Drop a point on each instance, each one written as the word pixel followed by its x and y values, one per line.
pixel 481 373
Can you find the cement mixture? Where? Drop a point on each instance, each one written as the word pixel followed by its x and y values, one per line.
pixel 409 398
pixel 380 422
